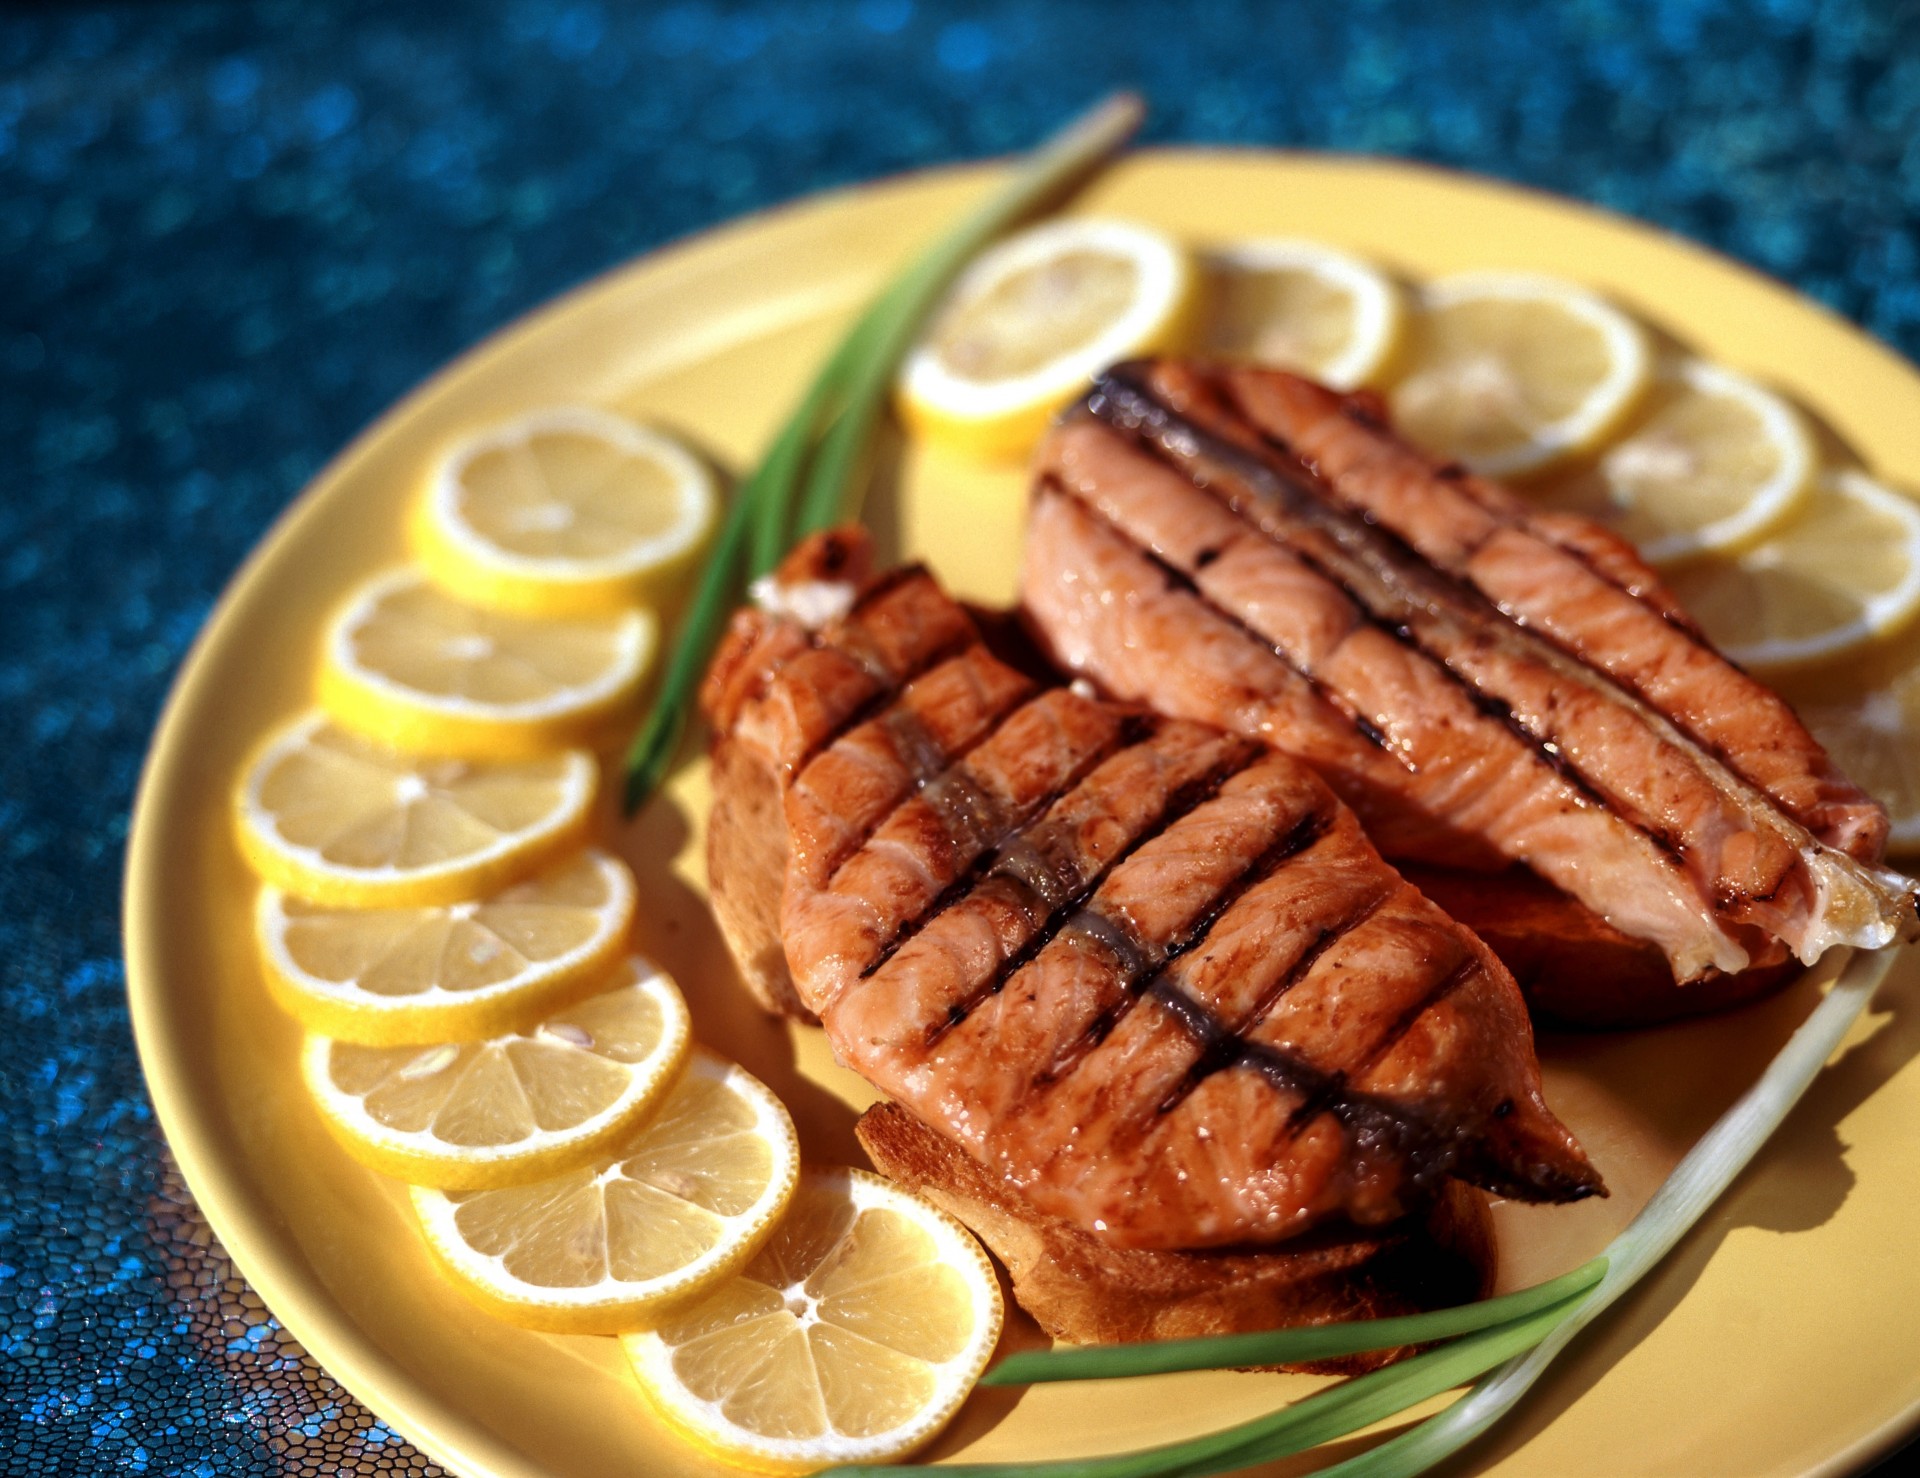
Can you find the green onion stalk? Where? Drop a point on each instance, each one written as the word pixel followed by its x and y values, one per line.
pixel 817 453
pixel 1504 1343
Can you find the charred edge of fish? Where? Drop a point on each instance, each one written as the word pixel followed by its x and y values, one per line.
pixel 887 686
pixel 886 582
pixel 996 822
pixel 1310 495
pixel 1180 802
pixel 1289 483
pixel 1178 579
pixel 1364 411
pixel 1545 751
pixel 1141 964
pixel 1449 602
pixel 1225 1054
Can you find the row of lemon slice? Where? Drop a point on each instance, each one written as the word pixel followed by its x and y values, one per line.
pixel 435 917
pixel 1806 572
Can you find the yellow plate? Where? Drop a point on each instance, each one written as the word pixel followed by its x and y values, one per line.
pixel 1779 1340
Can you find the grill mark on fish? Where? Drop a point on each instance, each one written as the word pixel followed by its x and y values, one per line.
pixel 1364 1118
pixel 1611 610
pixel 1503 522
pixel 1541 749
pixel 1545 751
pixel 1182 885
pixel 1445 986
pixel 1461 477
pixel 855 644
pixel 1062 914
pixel 1226 1047
pixel 1489 705
pixel 1179 579
pixel 1389 560
pixel 1326 1096
pixel 887 689
pixel 926 761
pixel 990 827
pixel 1139 963
pixel 885 583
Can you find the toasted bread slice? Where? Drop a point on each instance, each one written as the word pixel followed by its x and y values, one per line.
pixel 746 870
pixel 1082 1290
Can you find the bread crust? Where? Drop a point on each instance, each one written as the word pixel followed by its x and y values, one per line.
pixel 1573 967
pixel 1081 1290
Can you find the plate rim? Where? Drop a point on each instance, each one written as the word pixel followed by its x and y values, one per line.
pixel 193 1129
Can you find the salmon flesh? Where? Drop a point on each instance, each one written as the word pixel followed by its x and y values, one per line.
pixel 1483 683
pixel 1152 973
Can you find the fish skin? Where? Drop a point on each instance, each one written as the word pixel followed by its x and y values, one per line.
pixel 1094 933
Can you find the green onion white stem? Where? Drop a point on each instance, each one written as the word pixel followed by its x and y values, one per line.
pixel 828 433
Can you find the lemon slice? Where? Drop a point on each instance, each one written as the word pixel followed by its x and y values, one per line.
pixel 336 819
pixel 570 511
pixel 1714 463
pixel 1841 572
pixel 454 971
pixel 674 1208
pixel 511 1108
pixel 1033 320
pixel 411 666
pixel 1304 307
pixel 1511 373
pixel 852 1338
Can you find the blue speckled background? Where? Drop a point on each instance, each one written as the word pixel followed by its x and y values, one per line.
pixel 231 234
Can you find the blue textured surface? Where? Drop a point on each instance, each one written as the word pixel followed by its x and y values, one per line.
pixel 230 235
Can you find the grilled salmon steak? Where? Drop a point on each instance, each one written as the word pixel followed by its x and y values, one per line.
pixel 1484 684
pixel 1151 974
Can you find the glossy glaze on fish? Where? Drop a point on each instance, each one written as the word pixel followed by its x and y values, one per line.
pixel 1539 696
pixel 1151 973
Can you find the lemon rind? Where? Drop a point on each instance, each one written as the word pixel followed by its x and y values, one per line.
pixel 596 1311
pixel 1606 406
pixel 1380 307
pixel 1167 282
pixel 346 1012
pixel 1880 615
pixel 423 1159
pixel 692 1417
pixel 374 705
pixel 468 564
pixel 1771 505
pixel 303 872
